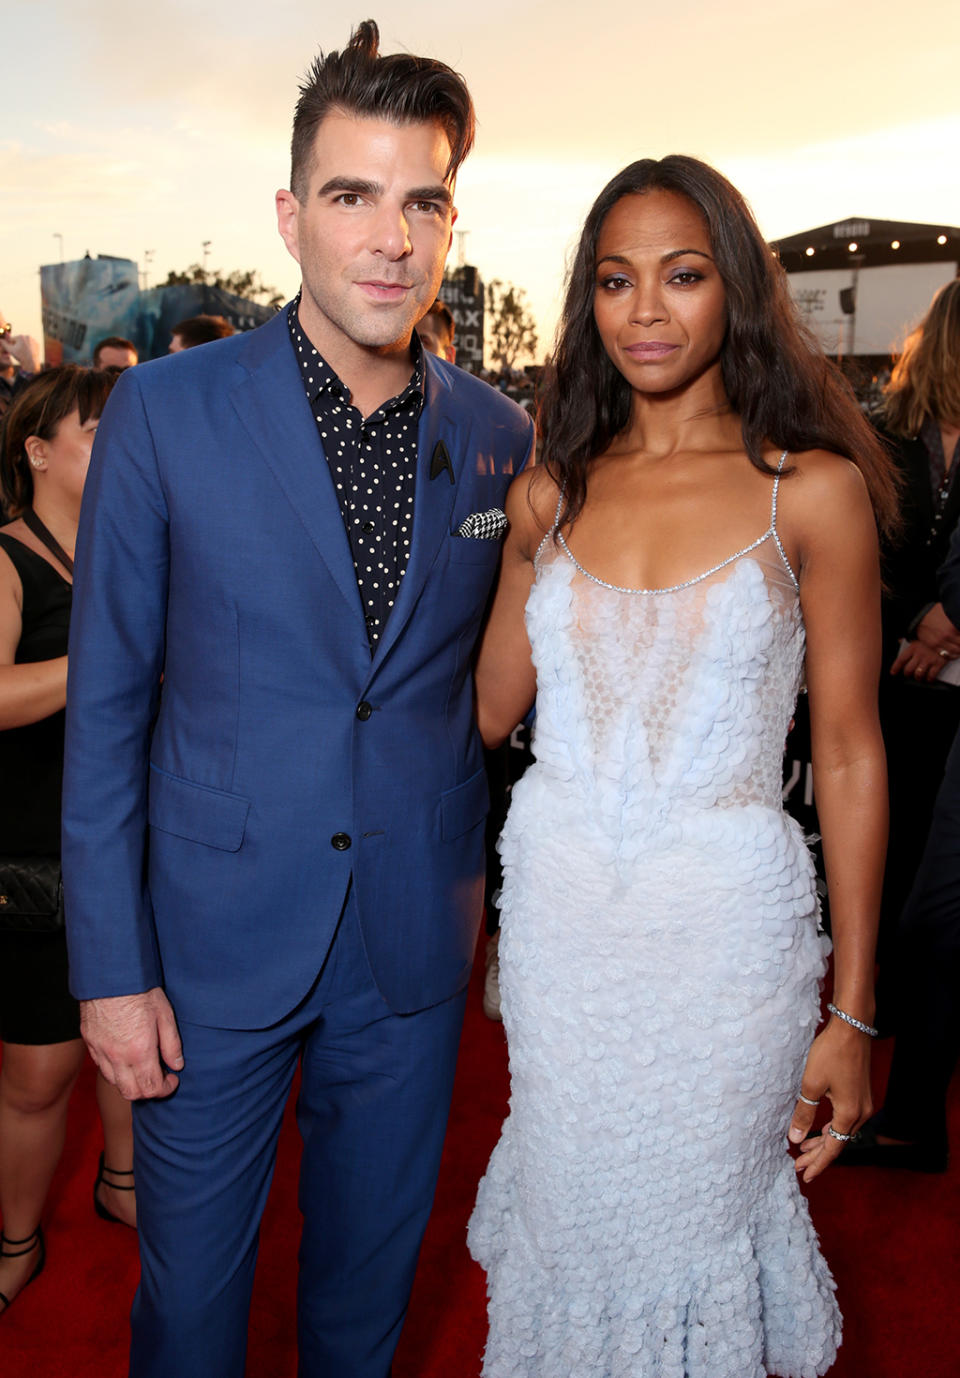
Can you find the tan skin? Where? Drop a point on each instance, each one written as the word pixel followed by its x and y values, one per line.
pixel 36 1081
pixel 675 494
pixel 371 238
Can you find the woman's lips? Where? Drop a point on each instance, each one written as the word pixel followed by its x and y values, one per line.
pixel 649 350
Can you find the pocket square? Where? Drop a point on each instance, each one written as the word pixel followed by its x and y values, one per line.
pixel 484 526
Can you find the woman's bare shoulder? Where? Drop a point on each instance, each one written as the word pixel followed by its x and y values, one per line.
pixel 531 507
pixel 822 486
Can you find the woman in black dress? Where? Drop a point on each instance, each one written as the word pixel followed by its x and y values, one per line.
pixel 47 441
pixel 919 693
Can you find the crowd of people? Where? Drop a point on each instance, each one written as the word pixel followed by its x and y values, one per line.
pixel 320 584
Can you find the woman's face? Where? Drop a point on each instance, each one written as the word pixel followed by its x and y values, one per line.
pixel 659 301
pixel 64 460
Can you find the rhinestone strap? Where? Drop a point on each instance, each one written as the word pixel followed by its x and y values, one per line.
pixel 855 1023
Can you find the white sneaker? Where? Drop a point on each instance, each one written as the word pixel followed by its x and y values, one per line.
pixel 491 980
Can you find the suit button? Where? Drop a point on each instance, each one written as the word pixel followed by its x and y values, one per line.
pixel 340 842
pixel 364 710
pixel 368 527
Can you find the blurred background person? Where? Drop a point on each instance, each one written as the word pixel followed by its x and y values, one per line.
pixel 20 359
pixel 920 707
pixel 48 437
pixel 115 352
pixel 436 332
pixel 198 330
pixel 910 1131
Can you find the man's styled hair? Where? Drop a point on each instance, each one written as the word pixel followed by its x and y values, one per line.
pixel 401 88
pixel 198 330
pixel 112 342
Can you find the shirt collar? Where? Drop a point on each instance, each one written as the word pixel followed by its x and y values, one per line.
pixel 320 379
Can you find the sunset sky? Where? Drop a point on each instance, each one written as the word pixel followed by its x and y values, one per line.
pixel 133 128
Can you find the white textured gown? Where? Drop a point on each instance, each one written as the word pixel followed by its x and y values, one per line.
pixel 660 961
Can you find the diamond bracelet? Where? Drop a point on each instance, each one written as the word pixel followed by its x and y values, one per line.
pixel 856 1023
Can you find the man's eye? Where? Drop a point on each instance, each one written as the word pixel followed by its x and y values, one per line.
pixel 427 207
pixel 349 198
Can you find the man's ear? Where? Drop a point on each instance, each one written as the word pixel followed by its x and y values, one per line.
pixel 288 221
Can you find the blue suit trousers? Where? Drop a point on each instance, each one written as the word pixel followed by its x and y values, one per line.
pixel 372 1111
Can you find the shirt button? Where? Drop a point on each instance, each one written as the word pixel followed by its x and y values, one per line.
pixel 368 527
pixel 340 842
pixel 364 710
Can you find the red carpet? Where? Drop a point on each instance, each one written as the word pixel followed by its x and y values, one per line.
pixel 893 1241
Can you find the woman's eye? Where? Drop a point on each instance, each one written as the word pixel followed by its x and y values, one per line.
pixel 686 276
pixel 616 283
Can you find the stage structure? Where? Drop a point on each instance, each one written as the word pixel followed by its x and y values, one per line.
pixel 863 284
pixel 462 291
pixel 84 301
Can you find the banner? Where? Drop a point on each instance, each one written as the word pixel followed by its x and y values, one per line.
pixel 85 301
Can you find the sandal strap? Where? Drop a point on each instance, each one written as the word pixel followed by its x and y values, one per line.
pixel 31 1241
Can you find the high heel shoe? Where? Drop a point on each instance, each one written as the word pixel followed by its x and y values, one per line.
pixel 98 1205
pixel 32 1241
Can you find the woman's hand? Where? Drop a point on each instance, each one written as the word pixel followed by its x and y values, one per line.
pixel 917 661
pixel 838 1067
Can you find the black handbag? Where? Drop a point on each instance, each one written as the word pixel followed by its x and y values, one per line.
pixel 31 894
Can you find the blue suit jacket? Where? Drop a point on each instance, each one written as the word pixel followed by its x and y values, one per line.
pixel 206 826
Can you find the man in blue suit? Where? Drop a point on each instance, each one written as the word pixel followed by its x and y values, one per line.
pixel 277 853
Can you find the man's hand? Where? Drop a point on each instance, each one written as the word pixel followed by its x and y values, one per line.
pixel 917 661
pixel 937 632
pixel 27 352
pixel 129 1038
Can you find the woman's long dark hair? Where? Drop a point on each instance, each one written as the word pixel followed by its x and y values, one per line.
pixel 777 378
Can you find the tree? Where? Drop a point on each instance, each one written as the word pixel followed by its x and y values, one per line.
pixel 511 328
pixel 242 284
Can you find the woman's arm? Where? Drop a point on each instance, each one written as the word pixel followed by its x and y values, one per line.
pixel 28 693
pixel 505 678
pixel 832 526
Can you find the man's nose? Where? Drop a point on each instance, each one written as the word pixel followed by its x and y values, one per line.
pixel 390 231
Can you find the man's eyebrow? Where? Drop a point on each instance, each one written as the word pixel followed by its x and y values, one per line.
pixel 358 186
pixel 350 184
pixel 434 193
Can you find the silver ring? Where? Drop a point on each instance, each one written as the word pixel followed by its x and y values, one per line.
pixel 944 654
pixel 806 1099
pixel 840 1138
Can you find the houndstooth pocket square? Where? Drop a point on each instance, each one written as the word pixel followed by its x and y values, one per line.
pixel 484 526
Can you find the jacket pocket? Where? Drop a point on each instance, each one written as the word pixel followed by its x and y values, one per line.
pixel 463 807
pixel 196 812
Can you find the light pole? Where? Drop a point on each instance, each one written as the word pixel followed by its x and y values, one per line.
pixel 206 255
pixel 59 238
pixel 147 260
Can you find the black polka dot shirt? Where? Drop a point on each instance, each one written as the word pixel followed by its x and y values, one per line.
pixel 373 464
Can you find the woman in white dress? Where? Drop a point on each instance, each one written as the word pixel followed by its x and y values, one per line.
pixel 701 534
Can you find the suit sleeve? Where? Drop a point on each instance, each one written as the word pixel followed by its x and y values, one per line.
pixel 113 684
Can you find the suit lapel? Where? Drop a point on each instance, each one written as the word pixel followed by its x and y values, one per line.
pixel 272 406
pixel 434 498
